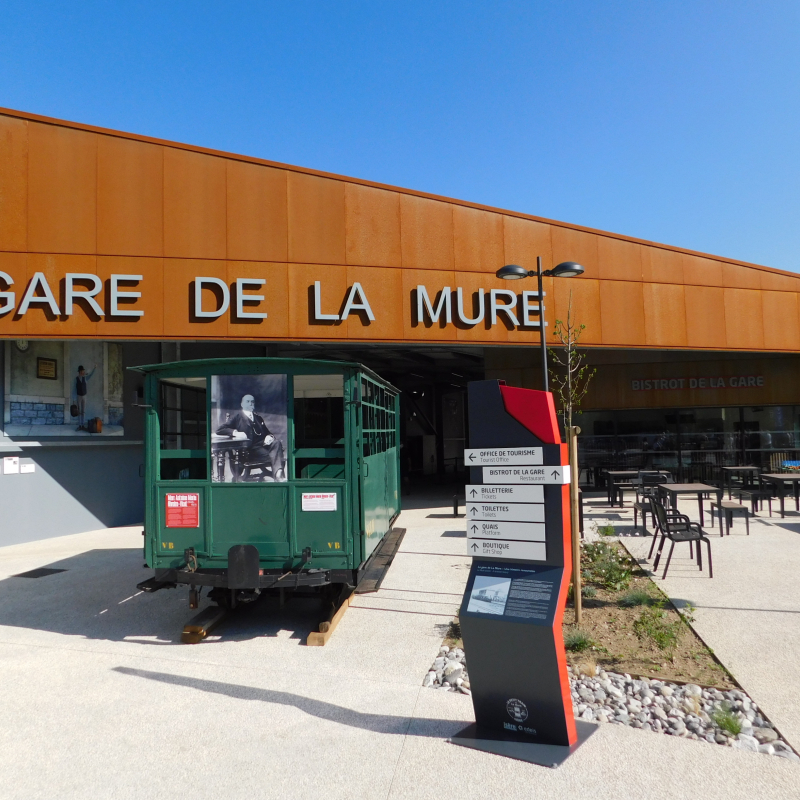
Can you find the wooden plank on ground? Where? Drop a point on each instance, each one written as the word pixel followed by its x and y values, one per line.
pixel 380 562
pixel 200 625
pixel 326 629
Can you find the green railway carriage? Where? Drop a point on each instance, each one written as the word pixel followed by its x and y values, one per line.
pixel 266 473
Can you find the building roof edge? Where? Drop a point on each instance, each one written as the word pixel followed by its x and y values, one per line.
pixel 9 112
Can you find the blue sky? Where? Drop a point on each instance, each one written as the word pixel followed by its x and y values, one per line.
pixel 671 121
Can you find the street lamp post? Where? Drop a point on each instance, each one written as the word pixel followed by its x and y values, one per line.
pixel 566 269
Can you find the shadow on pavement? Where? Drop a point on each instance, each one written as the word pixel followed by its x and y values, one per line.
pixel 376 723
pixel 96 597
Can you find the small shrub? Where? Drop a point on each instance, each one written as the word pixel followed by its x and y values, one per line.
pixel 589 592
pixel 576 640
pixel 606 530
pixel 588 667
pixel 725 719
pixel 636 597
pixel 654 626
pixel 605 565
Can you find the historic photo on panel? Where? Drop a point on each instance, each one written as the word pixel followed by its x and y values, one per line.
pixel 248 428
pixel 489 595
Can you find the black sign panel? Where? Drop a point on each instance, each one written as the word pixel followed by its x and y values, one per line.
pixel 512 608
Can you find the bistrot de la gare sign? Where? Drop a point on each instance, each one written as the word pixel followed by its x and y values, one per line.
pixel 707 382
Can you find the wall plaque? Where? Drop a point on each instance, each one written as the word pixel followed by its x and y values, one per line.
pixel 47 368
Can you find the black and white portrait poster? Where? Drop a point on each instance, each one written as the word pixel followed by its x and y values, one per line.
pixel 248 428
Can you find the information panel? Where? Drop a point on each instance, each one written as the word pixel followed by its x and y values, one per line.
pixel 518 534
pixel 514 592
pixel 318 501
pixel 182 510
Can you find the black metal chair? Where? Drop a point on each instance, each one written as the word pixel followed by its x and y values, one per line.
pixel 679 528
pixel 646 491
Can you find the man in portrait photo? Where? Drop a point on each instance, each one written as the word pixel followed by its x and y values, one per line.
pixel 264 447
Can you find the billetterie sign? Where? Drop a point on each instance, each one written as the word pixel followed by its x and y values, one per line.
pixel 122 296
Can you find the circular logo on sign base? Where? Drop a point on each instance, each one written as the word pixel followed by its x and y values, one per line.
pixel 517 710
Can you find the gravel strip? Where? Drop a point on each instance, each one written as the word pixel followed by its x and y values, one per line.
pixel 688 710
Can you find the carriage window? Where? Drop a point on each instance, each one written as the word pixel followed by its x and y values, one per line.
pixel 318 410
pixel 319 426
pixel 378 418
pixel 183 429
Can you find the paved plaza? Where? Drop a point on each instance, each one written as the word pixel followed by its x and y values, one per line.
pixel 101 700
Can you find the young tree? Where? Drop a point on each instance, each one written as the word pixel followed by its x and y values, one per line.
pixel 571 376
pixel 570 381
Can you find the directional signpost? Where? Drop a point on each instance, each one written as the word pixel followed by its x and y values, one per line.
pixel 518 534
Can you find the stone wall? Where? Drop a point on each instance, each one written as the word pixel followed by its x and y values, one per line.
pixel 37 413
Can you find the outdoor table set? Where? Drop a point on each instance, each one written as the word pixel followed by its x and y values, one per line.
pixel 782 481
pixel 675 490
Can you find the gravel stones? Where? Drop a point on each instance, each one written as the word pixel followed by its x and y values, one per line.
pixel 676 710
pixel 686 710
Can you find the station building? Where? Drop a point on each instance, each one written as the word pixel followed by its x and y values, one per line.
pixel 119 250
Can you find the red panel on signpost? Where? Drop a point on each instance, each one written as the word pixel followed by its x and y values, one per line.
pixel 535 410
pixel 182 510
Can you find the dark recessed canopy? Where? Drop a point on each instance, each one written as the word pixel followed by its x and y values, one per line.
pixel 513 272
pixel 566 269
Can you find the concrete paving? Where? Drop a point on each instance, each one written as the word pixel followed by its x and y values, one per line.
pixel 100 699
pixel 749 613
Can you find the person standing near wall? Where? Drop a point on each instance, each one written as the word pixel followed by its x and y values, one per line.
pixel 80 394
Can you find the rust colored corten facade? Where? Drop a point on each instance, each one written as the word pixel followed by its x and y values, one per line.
pixel 75 199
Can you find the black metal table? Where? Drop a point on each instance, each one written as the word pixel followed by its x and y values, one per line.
pixel 747 473
pixel 618 478
pixel 780 480
pixel 699 489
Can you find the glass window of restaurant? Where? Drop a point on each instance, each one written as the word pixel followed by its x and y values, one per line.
pixel 692 443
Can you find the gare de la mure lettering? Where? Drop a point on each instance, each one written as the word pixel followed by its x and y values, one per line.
pixel 249 298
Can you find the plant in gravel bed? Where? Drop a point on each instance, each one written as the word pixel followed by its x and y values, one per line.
pixel 607 566
pixel 636 597
pixel 726 719
pixel 576 640
pixel 589 592
pixel 654 625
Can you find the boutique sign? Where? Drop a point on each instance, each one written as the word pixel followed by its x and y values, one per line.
pixel 708 382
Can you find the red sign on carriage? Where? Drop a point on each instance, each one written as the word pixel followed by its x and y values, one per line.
pixel 183 510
